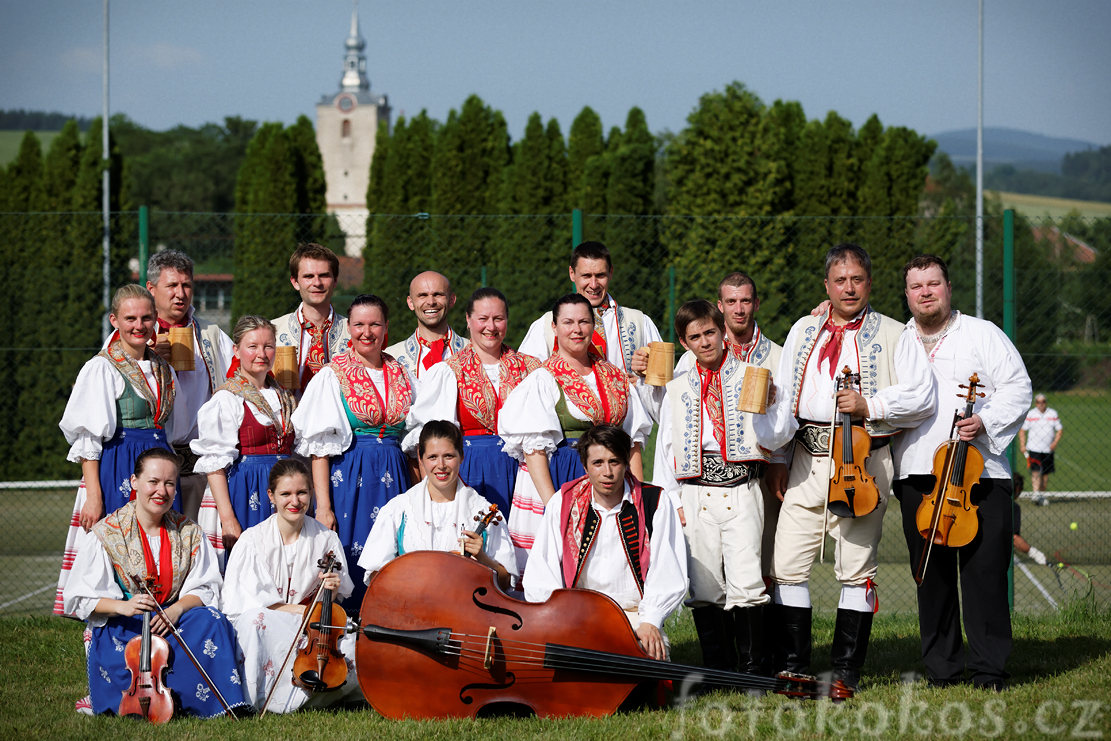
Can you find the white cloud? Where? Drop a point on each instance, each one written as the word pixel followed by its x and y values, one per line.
pixel 166 56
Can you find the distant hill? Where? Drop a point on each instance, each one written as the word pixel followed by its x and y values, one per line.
pixel 1020 149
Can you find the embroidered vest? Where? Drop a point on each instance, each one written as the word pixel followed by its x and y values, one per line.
pixel 628 525
pixel 256 438
pixel 408 351
pixel 133 411
pixel 875 343
pixel 685 393
pixel 572 426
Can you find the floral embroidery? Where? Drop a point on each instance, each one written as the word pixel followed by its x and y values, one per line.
pixel 254 501
pixel 387 479
pixel 337 478
pixel 268 668
pixel 360 483
pixel 260 620
pixel 202 693
pixel 210 648
pixel 120 645
pixel 361 395
pixel 235 677
pixel 356 548
pixel 104 675
pixel 125 486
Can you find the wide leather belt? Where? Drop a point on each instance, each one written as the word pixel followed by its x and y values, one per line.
pixel 717 472
pixel 815 438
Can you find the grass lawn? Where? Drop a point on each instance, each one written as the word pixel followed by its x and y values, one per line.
pixel 1060 687
pixel 10 140
pixel 1037 207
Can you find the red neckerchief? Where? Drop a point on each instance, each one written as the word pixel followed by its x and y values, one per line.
pixel 163 571
pixel 611 404
pixel 436 350
pixel 831 351
pixel 598 339
pixel 711 400
pixel 317 355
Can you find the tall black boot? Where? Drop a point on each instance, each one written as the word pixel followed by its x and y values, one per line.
pixel 715 637
pixel 748 632
pixel 850 645
pixel 792 638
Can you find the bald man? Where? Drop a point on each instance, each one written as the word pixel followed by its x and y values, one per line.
pixel 430 298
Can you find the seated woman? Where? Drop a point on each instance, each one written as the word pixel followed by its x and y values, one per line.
pixel 438 514
pixel 145 539
pixel 243 430
pixel 272 575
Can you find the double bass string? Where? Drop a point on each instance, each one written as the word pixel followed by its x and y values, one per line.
pixel 551 656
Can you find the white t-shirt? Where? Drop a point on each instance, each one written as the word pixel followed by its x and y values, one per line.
pixel 1041 427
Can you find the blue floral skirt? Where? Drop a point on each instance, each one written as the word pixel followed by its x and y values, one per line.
pixel 488 470
pixel 248 480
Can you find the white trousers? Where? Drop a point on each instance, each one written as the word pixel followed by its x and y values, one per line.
pixel 725 525
pixel 803 524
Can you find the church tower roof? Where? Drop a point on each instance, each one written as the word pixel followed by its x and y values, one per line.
pixel 354 77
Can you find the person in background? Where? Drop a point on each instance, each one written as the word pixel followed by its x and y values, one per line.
pixel 315 328
pixel 1043 425
pixel 1021 544
pixel 430 299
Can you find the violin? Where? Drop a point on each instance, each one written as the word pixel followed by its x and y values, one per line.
pixel 320 665
pixel 148 659
pixel 852 490
pixel 484 519
pixel 947 515
pixel 441 640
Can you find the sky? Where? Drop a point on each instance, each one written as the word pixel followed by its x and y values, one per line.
pixel 1047 63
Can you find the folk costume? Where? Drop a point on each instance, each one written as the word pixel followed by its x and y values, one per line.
pixel 469 394
pixel 356 416
pixel 618 332
pixel 263 571
pixel 548 412
pixel 245 431
pixel 968 345
pixel 899 388
pixel 316 346
pixel 633 553
pixel 413 522
pixel 212 357
pixel 118 408
pixel 418 356
pixel 763 353
pixel 118 548
pixel 711 457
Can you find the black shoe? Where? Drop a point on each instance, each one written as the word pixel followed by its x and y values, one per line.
pixel 850 646
pixel 791 638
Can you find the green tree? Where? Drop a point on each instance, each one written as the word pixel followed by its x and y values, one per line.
pixel 585 141
pixel 308 180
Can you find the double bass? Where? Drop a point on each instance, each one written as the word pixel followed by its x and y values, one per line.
pixel 440 640
pixel 852 490
pixel 947 516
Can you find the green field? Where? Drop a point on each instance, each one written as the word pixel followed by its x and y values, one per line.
pixel 1038 207
pixel 10 141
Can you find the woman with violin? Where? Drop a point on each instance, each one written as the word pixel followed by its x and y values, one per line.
pixel 574 389
pixel 243 430
pixel 144 549
pixel 440 513
pixel 469 389
pixel 271 579
pixel 966 576
pixel 350 422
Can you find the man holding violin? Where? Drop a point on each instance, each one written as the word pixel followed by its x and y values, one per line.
pixel 896 391
pixel 957 347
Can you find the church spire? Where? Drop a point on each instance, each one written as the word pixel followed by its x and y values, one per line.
pixel 354 60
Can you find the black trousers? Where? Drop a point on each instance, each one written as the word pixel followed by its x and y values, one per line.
pixel 980 571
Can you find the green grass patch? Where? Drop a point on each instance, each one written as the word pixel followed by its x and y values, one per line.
pixel 10 141
pixel 1060 685
pixel 1037 207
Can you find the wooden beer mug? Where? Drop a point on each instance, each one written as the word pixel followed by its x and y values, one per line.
pixel 661 363
pixel 285 367
pixel 181 348
pixel 754 390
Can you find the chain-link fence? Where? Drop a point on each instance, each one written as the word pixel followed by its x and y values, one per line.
pixel 1061 318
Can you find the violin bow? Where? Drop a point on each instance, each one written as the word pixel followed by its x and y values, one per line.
pixel 185 647
pixel 296 639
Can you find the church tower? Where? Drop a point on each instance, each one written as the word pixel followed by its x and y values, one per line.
pixel 346 124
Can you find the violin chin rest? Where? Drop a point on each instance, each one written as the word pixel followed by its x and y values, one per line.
pixel 311 681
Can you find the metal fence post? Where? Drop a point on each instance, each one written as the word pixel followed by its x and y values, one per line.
pixel 1009 330
pixel 144 243
pixel 671 303
pixel 576 227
